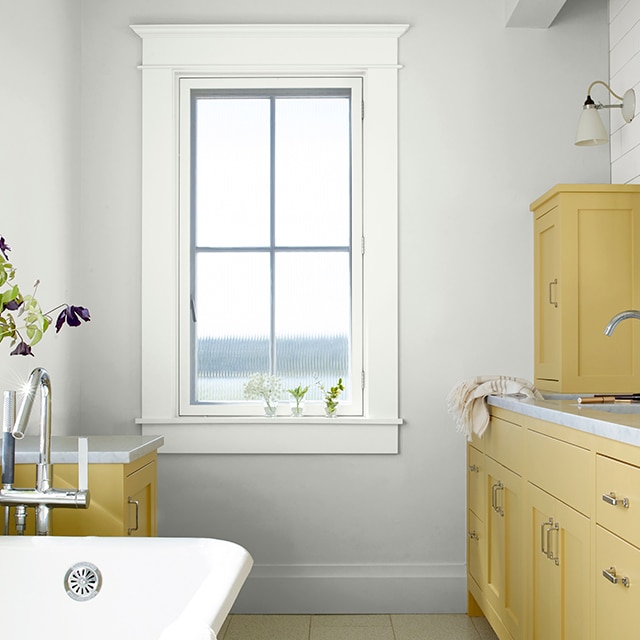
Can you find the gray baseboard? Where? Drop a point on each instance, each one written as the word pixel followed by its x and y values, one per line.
pixel 326 589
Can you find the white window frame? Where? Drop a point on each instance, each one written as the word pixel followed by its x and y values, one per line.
pixel 354 407
pixel 171 52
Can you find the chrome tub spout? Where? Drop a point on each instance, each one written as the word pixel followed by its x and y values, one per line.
pixel 43 497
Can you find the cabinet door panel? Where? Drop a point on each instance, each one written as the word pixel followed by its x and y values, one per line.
pixel 505 586
pixel 619 482
pixel 140 492
pixel 475 485
pixel 475 548
pixel 617 605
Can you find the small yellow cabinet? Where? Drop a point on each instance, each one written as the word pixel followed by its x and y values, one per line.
pixel 123 500
pixel 586 238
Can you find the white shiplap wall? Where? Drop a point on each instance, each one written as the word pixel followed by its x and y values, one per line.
pixel 624 71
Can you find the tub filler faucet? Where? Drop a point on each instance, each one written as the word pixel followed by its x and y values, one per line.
pixel 618 318
pixel 43 496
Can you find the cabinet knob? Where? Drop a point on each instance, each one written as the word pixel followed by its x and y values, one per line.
pixel 474 468
pixel 473 535
pixel 610 498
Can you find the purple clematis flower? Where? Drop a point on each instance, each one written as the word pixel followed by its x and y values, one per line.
pixel 23 349
pixel 4 247
pixel 12 305
pixel 72 316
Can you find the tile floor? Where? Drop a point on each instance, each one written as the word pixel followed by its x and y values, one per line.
pixel 355 627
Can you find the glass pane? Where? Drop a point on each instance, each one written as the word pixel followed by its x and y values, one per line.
pixel 312 172
pixel 233 306
pixel 232 163
pixel 312 319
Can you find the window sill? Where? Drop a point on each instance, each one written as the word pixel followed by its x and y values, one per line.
pixel 259 435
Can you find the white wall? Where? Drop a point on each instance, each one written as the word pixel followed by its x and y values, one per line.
pixel 624 69
pixel 39 169
pixel 487 121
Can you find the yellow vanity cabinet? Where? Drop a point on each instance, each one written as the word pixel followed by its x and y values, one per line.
pixel 123 499
pixel 586 238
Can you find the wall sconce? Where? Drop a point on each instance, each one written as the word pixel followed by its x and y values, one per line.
pixel 591 131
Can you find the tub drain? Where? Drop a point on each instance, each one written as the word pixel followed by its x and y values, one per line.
pixel 83 581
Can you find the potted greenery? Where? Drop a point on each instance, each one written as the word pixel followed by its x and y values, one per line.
pixel 265 387
pixel 297 406
pixel 330 398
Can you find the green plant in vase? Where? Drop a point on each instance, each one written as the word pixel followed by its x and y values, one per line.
pixel 330 398
pixel 265 387
pixel 298 396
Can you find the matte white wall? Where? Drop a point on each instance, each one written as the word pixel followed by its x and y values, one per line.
pixel 487 121
pixel 624 67
pixel 39 174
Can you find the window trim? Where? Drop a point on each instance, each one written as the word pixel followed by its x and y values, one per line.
pixel 173 51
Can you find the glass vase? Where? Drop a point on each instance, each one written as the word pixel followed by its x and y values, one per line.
pixel 270 409
pixel 331 410
pixel 297 409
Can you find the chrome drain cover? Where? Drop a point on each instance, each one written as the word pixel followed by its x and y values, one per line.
pixel 83 581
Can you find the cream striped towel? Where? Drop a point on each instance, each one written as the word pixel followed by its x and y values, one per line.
pixel 467 401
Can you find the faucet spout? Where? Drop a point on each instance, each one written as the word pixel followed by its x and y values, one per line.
pixel 39 379
pixel 618 318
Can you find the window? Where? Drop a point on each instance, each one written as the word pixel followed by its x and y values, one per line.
pixel 198 72
pixel 270 204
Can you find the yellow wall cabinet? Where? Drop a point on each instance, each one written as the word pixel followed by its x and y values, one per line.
pixel 123 499
pixel 576 573
pixel 586 238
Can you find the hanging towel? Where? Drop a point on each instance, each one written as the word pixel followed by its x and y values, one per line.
pixel 467 401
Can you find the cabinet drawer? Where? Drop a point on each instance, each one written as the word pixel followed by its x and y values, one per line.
pixel 504 443
pixel 475 482
pixel 475 548
pixel 561 469
pixel 617 605
pixel 618 498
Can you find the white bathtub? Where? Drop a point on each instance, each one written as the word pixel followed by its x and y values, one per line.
pixel 151 588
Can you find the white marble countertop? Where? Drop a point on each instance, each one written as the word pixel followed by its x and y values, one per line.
pixel 619 422
pixel 102 449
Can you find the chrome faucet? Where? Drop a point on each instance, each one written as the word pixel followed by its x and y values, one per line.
pixel 43 497
pixel 618 318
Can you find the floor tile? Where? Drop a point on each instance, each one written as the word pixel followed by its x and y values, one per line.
pixel 268 627
pixel 350 620
pixel 484 628
pixel 434 627
pixel 351 633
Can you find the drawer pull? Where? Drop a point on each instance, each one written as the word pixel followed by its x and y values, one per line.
pixel 473 535
pixel 610 498
pixel 551 300
pixel 610 575
pixel 550 526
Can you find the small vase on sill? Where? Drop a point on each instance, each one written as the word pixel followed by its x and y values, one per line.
pixel 331 409
pixel 270 409
pixel 297 409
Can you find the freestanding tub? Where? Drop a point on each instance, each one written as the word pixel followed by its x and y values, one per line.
pixel 66 588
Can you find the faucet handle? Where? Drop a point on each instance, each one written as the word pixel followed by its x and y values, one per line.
pixel 83 464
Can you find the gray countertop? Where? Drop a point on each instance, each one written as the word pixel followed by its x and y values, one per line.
pixel 102 449
pixel 619 422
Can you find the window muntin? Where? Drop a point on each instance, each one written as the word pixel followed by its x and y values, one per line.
pixel 282 251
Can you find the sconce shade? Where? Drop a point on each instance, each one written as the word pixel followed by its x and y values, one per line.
pixel 591 131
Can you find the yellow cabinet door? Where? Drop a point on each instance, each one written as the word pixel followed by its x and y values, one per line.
pixel 505 549
pixel 617 576
pixel 586 241
pixel 559 561
pixel 547 302
pixel 140 491
pixel 475 481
